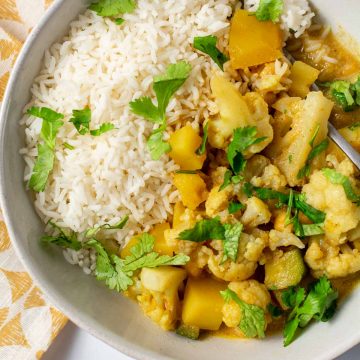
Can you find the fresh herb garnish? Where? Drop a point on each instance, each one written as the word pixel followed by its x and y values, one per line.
pixel 269 10
pixel 68 146
pixel 81 120
pixel 46 151
pixel 299 201
pixel 118 226
pixel 117 273
pixel 208 229
pixel 232 235
pixel 207 45
pixel 164 87
pixel 252 322
pixel 235 206
pixel 202 149
pixel 315 151
pixel 243 138
pixel 346 94
pixel 119 21
pixel 319 304
pixel 62 239
pixel 354 126
pixel 274 311
pixel 111 8
pixel 339 179
pixel 189 172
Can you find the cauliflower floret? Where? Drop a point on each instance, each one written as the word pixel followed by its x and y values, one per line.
pixel 341 214
pixel 254 249
pixel 198 260
pixel 246 263
pixel 217 201
pixel 271 178
pixel 217 175
pixel 332 261
pixel 251 292
pixel 159 299
pixel 278 239
pixel 256 213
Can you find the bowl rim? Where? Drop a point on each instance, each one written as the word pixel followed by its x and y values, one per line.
pixel 124 346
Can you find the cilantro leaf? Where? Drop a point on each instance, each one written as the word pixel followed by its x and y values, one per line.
pixel 274 311
pixel 144 107
pixel 208 229
pixel 315 151
pixel 227 180
pixel 45 114
pixel 252 322
pixel 105 127
pixel 119 21
pixel 354 126
pixel 43 166
pixel 269 10
pixel 117 273
pixel 156 145
pixel 319 304
pixel 81 120
pixel 113 7
pixel 207 45
pixel 202 149
pixel 164 87
pixel 234 207
pixel 62 239
pixel 68 146
pixel 310 230
pixel 119 225
pixel 339 179
pixel 232 235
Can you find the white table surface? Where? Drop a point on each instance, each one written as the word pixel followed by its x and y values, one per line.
pixel 75 344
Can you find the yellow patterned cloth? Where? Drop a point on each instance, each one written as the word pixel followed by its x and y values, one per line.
pixel 28 323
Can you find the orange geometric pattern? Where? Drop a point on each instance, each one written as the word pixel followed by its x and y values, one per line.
pixel 28 323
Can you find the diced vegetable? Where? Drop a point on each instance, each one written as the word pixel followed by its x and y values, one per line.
pixel 125 251
pixel 192 189
pixel 302 76
pixel 188 331
pixel 179 210
pixel 253 42
pixel 161 246
pixel 285 270
pixel 203 303
pixel 184 143
pixel 162 278
pixel 352 135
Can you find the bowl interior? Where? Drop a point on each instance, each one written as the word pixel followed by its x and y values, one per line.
pixel 106 314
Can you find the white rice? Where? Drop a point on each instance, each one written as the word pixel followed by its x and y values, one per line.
pixel 296 16
pixel 106 66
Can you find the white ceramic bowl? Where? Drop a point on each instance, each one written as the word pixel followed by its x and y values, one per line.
pixel 106 314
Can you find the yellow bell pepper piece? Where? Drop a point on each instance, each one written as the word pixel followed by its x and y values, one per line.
pixel 253 42
pixel 203 303
pixel 184 143
pixel 302 76
pixel 192 189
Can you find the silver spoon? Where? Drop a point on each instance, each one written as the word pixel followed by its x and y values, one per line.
pixel 333 134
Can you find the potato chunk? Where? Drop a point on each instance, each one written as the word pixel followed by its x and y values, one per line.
pixel 253 42
pixel 184 143
pixel 192 189
pixel 302 76
pixel 161 246
pixel 291 146
pixel 238 111
pixel 203 303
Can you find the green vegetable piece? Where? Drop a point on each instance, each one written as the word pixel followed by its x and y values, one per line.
pixel 252 322
pixel 284 271
pixel 339 179
pixel 108 8
pixel 208 229
pixel 189 331
pixel 231 241
pixel 202 149
pixel 235 206
pixel 207 45
pixel 269 10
